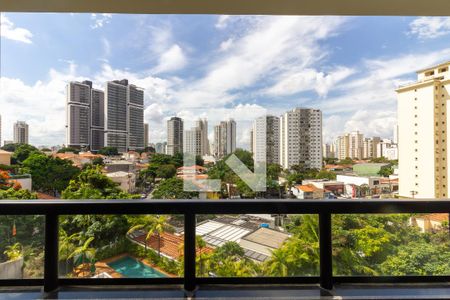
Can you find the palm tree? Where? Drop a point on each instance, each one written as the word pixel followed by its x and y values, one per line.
pixel 84 252
pixel 153 225
pixel 67 244
pixel 14 251
pixel 278 263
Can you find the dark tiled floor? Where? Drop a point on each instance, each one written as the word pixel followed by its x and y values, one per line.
pixel 237 292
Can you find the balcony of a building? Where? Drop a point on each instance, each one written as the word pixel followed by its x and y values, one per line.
pixel 327 283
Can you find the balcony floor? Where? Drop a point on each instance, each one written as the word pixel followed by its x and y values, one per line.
pixel 347 291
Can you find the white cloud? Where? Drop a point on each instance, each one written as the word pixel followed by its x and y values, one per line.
pixel 225 45
pixel 222 21
pixel 268 48
pixel 309 79
pixel 9 31
pixel 100 20
pixel 368 102
pixel 430 27
pixel 171 60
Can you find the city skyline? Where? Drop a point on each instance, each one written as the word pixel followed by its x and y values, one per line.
pixel 350 77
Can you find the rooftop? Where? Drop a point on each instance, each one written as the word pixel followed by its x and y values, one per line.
pixel 267 237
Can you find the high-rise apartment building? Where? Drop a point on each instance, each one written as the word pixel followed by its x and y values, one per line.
pixel 97 120
pixel 224 138
pixel 20 132
pixel 266 139
pixel 0 129
pixel 350 145
pixel 371 147
pixel 78 118
pixel 301 138
pixel 161 148
pixel 252 150
pixel 135 118
pixel 328 150
pixel 174 136
pixel 423 134
pixel 196 140
pixel 146 139
pixel 124 116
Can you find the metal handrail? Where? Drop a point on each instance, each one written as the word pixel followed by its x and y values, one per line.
pixel 52 209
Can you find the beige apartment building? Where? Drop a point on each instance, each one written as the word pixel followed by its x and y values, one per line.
pixel 350 145
pixel 423 134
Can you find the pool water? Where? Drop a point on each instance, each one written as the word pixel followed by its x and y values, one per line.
pixel 132 268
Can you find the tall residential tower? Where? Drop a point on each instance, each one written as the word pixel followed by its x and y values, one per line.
pixel 423 134
pixel 174 136
pixel 301 138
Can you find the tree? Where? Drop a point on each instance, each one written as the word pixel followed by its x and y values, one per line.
pixel 10 147
pixel 385 171
pixel 98 161
pixel 50 175
pixel 68 149
pixel 93 184
pixel 346 161
pixel 108 151
pixel 84 254
pixel 330 160
pixel 172 188
pixel 153 225
pixel 166 171
pixel 22 152
pixel 14 251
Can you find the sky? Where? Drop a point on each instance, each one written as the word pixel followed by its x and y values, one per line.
pixel 217 67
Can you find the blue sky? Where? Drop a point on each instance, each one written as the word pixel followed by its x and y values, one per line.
pixel 217 67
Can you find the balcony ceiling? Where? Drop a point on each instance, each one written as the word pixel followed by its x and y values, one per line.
pixel 263 7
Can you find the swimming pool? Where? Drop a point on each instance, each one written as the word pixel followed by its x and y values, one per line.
pixel 132 268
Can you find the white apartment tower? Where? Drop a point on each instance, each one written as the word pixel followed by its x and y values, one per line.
pixel 301 138
pixel 174 136
pixel 423 134
pixel 265 142
pixel 135 118
pixel 371 147
pixel 196 140
pixel 350 145
pixel 224 138
pixel 20 132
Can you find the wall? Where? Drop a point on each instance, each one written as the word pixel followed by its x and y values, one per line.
pixel 11 269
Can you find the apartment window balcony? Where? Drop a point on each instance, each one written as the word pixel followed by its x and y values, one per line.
pixel 327 281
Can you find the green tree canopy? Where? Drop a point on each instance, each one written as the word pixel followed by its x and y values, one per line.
pixel 22 152
pixel 93 184
pixel 68 149
pixel 172 188
pixel 50 175
pixel 108 151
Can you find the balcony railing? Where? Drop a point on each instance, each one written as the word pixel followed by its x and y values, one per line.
pixel 52 209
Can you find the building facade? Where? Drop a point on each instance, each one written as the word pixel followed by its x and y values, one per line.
pixel 423 134
pixel 135 118
pixel 224 138
pixel 196 140
pixel 301 138
pixel 146 135
pixel 266 139
pixel 371 147
pixel 21 132
pixel 97 120
pixel 78 118
pixel 174 136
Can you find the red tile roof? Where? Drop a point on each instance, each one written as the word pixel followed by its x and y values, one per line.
pixel 170 244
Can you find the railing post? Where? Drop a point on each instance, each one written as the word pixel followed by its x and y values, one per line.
pixel 326 261
pixel 189 252
pixel 51 253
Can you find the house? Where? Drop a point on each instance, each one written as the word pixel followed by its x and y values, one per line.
pixel 126 180
pixel 307 191
pixel 260 244
pixel 430 222
pixel 5 157
pixel 330 186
